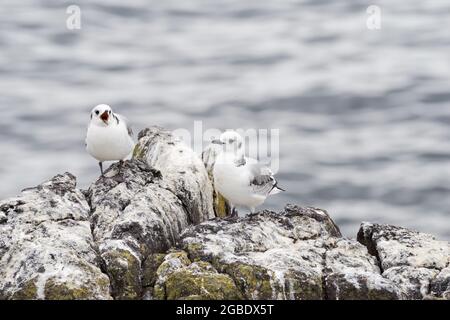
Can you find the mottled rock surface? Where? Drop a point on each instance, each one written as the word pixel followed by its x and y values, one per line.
pixel 221 206
pixel 147 231
pixel 182 169
pixel 415 262
pixel 134 214
pixel 46 247
pixel 142 208
pixel 298 253
pixel 57 242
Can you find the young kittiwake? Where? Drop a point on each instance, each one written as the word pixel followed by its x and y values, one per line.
pixel 109 137
pixel 242 181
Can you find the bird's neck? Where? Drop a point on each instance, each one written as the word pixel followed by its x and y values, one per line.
pixel 232 155
pixel 113 121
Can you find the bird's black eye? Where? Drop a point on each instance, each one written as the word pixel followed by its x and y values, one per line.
pixel 97 112
pixel 109 111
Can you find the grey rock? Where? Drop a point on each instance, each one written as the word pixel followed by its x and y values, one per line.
pixel 142 208
pixel 411 260
pixel 56 240
pixel 294 254
pixel 351 273
pixel 147 230
pixel 46 246
pixel 182 170
pixel 133 215
pixel 440 285
pixel 221 206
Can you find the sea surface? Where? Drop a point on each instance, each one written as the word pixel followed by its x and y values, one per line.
pixel 363 115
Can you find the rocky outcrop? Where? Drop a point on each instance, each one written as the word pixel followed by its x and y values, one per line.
pixel 142 208
pixel 298 253
pixel 147 231
pixel 133 215
pixel 220 204
pixel 183 171
pixel 415 262
pixel 46 247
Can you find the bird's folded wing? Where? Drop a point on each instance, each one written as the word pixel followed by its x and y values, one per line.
pixel 127 124
pixel 261 179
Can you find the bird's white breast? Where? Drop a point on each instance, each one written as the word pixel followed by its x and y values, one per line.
pixel 234 182
pixel 109 143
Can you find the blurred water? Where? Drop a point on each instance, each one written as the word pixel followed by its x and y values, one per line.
pixel 363 115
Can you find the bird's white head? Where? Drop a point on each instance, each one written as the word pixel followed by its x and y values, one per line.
pixel 231 140
pixel 101 115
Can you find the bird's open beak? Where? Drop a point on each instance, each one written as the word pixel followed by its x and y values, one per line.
pixel 105 117
pixel 217 141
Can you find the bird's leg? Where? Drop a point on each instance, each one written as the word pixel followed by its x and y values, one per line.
pixel 120 166
pixel 234 214
pixel 101 168
pixel 118 177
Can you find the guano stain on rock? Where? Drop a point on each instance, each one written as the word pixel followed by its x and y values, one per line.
pixel 152 231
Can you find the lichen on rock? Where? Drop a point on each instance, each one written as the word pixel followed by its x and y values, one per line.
pixel 147 231
pixel 269 255
pixel 46 246
pixel 182 169
pixel 221 206
pixel 353 274
pixel 411 260
pixel 178 278
pixel 133 215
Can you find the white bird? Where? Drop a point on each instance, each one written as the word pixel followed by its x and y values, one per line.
pixel 109 136
pixel 242 181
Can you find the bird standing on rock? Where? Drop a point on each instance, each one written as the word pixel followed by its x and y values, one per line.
pixel 242 181
pixel 109 136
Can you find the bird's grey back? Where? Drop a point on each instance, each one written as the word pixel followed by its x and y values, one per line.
pixel 127 124
pixel 262 180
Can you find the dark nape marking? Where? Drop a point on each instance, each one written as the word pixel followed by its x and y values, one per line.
pixel 262 180
pixel 240 162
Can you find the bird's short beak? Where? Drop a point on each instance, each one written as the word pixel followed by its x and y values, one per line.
pixel 217 141
pixel 105 117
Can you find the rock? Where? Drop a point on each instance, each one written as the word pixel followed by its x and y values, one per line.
pixel 440 286
pixel 222 208
pixel 118 225
pixel 147 231
pixel 178 278
pixel 46 246
pixel 295 254
pixel 182 170
pixel 351 273
pixel 142 208
pixel 133 215
pixel 411 260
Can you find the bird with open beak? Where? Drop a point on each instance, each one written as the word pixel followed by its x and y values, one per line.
pixel 109 137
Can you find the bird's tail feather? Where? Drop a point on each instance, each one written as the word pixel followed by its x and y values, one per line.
pixel 276 189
